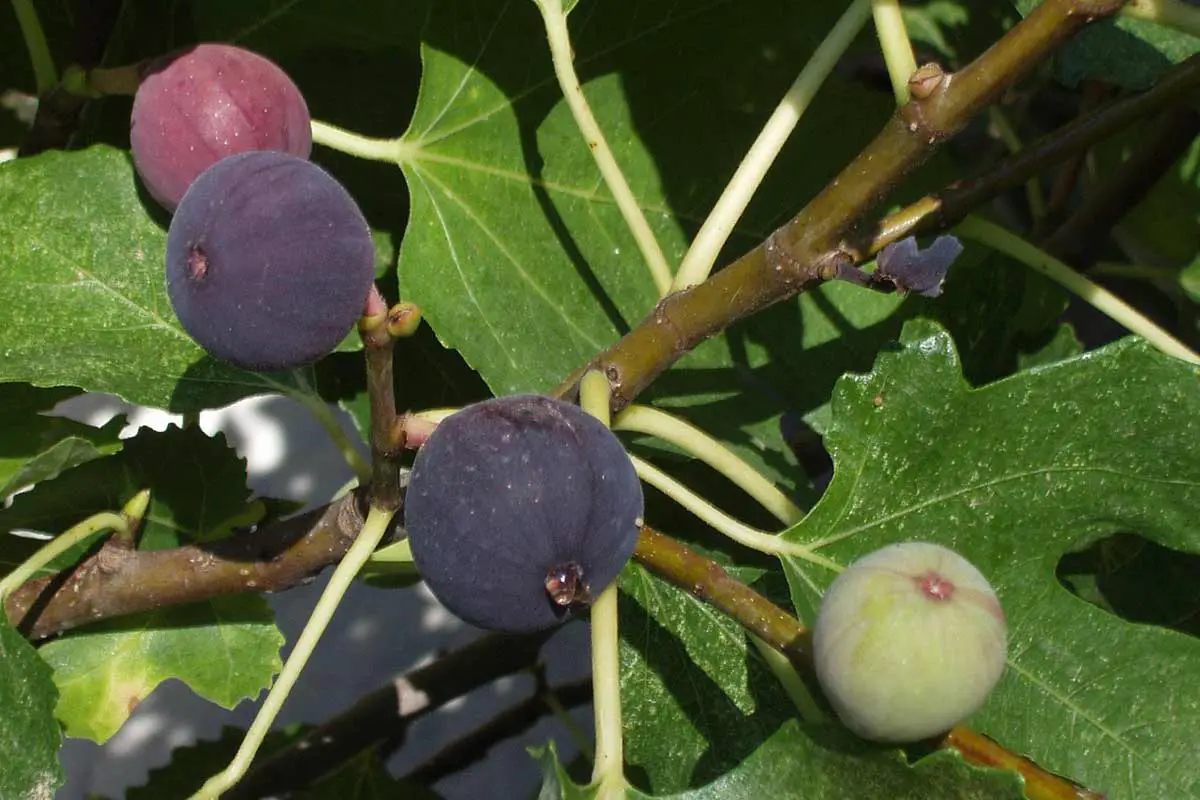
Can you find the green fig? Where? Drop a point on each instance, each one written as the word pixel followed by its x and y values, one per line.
pixel 910 640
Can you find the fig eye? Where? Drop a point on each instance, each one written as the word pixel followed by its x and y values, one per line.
pixel 565 585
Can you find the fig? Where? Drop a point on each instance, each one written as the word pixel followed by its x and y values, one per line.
pixel 909 641
pixel 197 106
pixel 520 510
pixel 269 261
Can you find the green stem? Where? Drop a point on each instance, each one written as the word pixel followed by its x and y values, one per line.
pixel 789 678
pixel 608 772
pixel 372 532
pixel 44 72
pixel 97 523
pixel 1169 13
pixel 660 424
pixel 346 445
pixel 897 49
pixel 393 151
pixel 564 68
pixel 715 231
pixel 736 530
pixel 1098 297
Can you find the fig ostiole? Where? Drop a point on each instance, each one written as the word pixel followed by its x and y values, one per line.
pixel 909 641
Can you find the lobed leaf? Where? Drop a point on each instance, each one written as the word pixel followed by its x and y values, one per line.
pixel 1015 475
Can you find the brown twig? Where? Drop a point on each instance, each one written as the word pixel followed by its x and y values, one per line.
pixel 829 231
pixel 379 348
pixel 1081 236
pixel 387 712
pixel 946 208
pixel 509 723
pixel 706 580
pixel 112 583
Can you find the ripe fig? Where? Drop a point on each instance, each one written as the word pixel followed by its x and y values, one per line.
pixel 269 261
pixel 520 510
pixel 910 640
pixel 197 106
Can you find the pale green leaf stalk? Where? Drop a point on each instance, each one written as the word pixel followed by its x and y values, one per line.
pixel 998 238
pixel 738 531
pixel 687 437
pixel 368 539
pixel 702 255
pixel 608 772
pixel 124 523
pixel 555 18
pixel 392 151
pixel 896 46
pixel 44 72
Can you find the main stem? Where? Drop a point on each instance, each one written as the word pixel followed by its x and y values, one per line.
pixel 829 230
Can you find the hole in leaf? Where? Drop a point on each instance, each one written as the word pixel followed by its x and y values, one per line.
pixel 1137 580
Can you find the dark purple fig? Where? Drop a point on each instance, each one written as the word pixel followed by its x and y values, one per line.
pixel 210 101
pixel 269 261
pixel 521 510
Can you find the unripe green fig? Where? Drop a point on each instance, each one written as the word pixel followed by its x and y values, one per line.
pixel 910 640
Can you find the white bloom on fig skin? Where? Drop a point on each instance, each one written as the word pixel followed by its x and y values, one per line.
pixel 910 640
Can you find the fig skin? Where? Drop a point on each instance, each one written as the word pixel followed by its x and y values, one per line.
pixel 520 510
pixel 197 106
pixel 269 261
pixel 910 640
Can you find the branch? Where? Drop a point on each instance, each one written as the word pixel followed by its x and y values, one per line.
pixel 709 582
pixel 1078 239
pixel 118 581
pixel 387 712
pixel 473 747
pixel 950 206
pixel 828 231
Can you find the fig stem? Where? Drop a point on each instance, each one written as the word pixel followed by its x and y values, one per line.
pixel 738 531
pixel 563 57
pixel 379 349
pixel 895 44
pixel 80 532
pixel 1012 245
pixel 608 770
pixel 692 440
pixel 708 582
pixel 715 231
pixel 373 530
